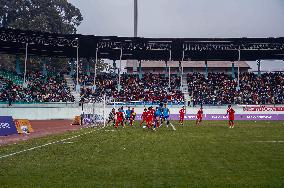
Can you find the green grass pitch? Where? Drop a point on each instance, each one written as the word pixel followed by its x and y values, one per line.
pixel 250 155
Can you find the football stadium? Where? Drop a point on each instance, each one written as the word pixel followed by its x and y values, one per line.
pixel 113 109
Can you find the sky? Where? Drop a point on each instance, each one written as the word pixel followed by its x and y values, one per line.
pixel 186 19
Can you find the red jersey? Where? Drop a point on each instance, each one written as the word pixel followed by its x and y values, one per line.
pixel 119 115
pixel 200 112
pixel 150 115
pixel 153 112
pixel 231 111
pixel 144 115
pixel 181 112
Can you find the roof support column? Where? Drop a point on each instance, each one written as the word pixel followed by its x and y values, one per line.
pixel 95 71
pixel 206 69
pixel 181 68
pixel 119 71
pixel 258 68
pixel 233 70
pixel 25 72
pixel 238 87
pixel 170 69
pixel 140 70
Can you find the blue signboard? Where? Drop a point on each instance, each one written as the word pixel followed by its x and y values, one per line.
pixel 7 126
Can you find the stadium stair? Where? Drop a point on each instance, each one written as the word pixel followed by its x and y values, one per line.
pixel 185 90
pixel 70 83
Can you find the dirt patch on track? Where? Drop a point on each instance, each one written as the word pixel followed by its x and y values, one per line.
pixel 42 128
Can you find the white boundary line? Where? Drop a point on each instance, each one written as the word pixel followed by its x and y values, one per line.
pixel 50 143
pixel 173 126
pixel 272 141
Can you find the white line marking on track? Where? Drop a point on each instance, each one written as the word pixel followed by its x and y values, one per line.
pixel 50 143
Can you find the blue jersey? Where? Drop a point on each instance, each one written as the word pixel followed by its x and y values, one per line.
pixel 128 113
pixel 157 113
pixel 166 112
pixel 121 111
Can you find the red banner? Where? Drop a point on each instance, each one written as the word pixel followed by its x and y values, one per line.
pixel 263 108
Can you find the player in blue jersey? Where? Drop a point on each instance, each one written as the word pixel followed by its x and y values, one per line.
pixel 166 114
pixel 128 114
pixel 157 116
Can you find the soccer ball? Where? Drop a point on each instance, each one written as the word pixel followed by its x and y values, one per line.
pixel 144 126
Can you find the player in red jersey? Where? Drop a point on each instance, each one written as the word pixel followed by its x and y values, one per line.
pixel 231 113
pixel 150 118
pixel 119 118
pixel 181 115
pixel 144 117
pixel 199 116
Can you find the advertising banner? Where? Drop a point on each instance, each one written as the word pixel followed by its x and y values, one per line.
pixel 218 117
pixel 7 126
pixel 264 108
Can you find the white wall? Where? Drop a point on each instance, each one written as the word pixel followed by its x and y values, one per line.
pixel 35 113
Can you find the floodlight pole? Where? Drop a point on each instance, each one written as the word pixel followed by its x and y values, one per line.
pixel 25 73
pixel 135 18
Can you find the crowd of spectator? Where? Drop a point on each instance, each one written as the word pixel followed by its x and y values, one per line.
pixel 221 88
pixel 40 88
pixel 216 89
pixel 150 88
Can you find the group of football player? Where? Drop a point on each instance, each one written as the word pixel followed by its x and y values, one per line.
pixel 155 118
pixel 121 117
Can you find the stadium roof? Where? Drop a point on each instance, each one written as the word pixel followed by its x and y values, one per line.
pixel 110 47
pixel 188 64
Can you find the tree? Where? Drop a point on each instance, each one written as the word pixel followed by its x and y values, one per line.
pixel 56 16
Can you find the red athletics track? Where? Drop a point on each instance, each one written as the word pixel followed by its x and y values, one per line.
pixel 42 128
